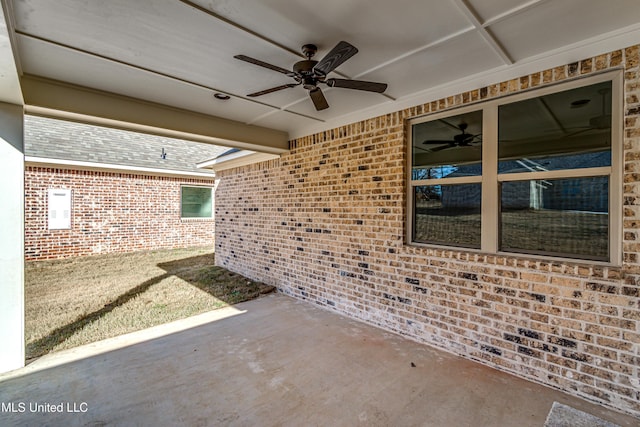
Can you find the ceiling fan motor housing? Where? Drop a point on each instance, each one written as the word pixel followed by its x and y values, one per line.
pixel 305 70
pixel 304 67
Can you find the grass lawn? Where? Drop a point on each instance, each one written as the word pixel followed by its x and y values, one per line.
pixel 78 301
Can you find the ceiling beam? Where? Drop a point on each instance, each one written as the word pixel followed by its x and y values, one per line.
pixel 471 15
pixel 242 28
pixel 65 101
pixel 511 12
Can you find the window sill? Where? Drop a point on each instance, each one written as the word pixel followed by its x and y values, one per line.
pixel 519 256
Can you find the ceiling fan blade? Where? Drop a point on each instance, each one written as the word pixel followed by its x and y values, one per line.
pixel 340 53
pixel 460 127
pixel 358 85
pixel 319 101
pixel 273 89
pixel 264 64
pixel 439 141
pixel 442 147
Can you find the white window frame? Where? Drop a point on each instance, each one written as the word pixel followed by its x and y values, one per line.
pixel 196 217
pixel 491 180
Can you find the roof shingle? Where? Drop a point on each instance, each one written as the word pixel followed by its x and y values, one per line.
pixel 64 140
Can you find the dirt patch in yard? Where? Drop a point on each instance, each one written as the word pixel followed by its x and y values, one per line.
pixel 78 301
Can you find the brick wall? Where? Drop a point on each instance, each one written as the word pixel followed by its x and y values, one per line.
pixel 325 223
pixel 111 212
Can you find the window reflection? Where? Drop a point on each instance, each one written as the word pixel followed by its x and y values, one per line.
pixel 565 217
pixel 448 147
pixel 564 130
pixel 447 214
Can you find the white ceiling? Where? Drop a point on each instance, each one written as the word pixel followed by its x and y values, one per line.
pixel 179 53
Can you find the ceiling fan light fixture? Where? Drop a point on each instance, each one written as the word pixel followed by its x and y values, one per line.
pixel 579 103
pixel 309 83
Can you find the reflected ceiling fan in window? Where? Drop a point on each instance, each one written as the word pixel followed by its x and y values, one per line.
pixel 600 122
pixel 310 73
pixel 463 139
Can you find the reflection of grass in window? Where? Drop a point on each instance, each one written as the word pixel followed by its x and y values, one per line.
pixel 567 233
pixel 455 227
pixel 556 232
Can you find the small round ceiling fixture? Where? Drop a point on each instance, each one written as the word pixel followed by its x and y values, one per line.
pixel 221 96
pixel 580 103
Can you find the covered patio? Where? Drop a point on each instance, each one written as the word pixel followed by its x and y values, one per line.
pixel 274 361
pixel 324 195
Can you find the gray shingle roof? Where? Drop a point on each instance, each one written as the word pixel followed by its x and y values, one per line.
pixel 63 140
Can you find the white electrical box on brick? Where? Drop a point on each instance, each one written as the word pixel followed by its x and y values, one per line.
pixel 59 209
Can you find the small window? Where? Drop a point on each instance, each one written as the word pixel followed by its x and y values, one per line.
pixel 197 202
pixel 447 170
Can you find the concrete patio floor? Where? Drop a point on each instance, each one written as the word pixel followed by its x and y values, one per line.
pixel 272 361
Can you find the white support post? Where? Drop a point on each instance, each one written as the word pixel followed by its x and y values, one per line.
pixel 12 355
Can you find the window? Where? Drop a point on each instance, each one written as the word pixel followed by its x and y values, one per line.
pixel 197 202
pixel 535 173
pixel 447 168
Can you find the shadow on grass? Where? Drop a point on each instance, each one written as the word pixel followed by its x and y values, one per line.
pixel 225 285
pixel 199 271
pixel 45 344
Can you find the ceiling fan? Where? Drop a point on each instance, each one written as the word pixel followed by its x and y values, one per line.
pixel 309 73
pixel 463 139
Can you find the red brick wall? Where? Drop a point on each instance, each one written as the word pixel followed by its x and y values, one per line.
pixel 111 212
pixel 326 223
